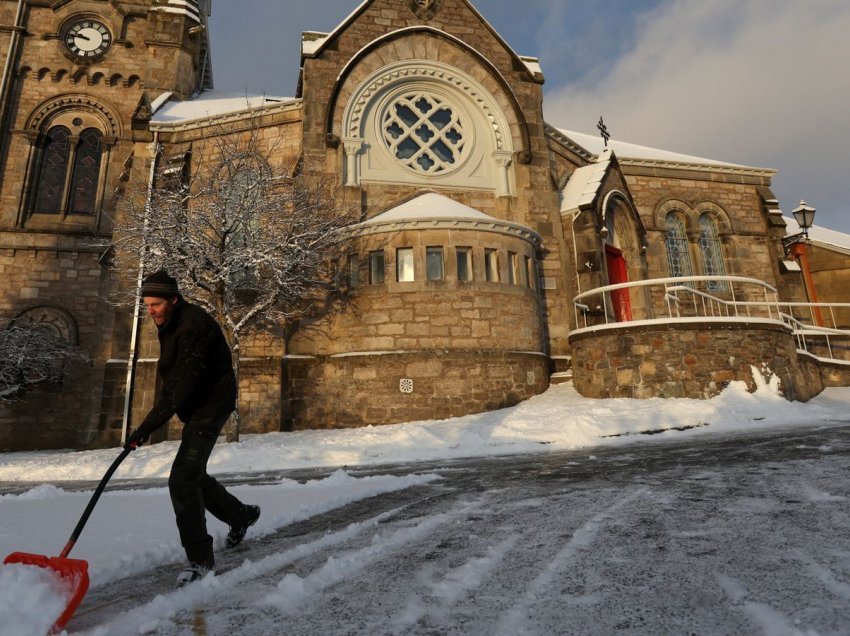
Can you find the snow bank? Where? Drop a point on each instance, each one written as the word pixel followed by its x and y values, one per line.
pixel 559 419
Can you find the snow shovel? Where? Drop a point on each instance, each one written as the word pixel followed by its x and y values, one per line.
pixel 74 572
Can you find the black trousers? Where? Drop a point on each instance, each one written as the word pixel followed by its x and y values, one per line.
pixel 193 491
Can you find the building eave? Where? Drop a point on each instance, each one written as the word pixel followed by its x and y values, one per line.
pixel 225 118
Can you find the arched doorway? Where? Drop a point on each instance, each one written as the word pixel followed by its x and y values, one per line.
pixel 615 261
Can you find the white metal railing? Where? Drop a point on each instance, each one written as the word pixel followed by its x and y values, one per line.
pixel 814 325
pixel 738 296
pixel 817 340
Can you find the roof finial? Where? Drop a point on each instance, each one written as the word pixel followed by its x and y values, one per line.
pixel 603 130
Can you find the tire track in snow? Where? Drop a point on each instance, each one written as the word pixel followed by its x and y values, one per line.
pixel 453 587
pixel 293 590
pixel 768 619
pixel 155 615
pixel 823 575
pixel 512 622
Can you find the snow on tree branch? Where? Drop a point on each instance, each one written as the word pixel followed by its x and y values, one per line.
pixel 31 356
pixel 249 238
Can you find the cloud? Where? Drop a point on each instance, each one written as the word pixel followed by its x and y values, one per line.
pixel 760 82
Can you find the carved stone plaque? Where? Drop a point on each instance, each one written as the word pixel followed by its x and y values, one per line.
pixel 425 9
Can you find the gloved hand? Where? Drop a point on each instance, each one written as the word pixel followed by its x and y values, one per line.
pixel 136 438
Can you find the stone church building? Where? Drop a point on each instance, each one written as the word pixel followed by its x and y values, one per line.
pixel 498 253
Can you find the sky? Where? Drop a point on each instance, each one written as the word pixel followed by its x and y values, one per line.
pixel 754 82
pixel 132 529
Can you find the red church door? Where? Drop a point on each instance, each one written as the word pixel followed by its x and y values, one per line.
pixel 618 273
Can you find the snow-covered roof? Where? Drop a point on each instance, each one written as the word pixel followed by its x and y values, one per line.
pixel 188 8
pixel 626 151
pixel 312 41
pixel 432 210
pixel 430 205
pixel 213 104
pixel 820 235
pixel 584 183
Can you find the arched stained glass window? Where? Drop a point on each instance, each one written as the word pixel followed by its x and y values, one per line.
pixel 54 170
pixel 242 211
pixel 86 173
pixel 711 251
pixel 678 254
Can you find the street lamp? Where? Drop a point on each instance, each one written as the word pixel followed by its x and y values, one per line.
pixel 795 245
pixel 805 217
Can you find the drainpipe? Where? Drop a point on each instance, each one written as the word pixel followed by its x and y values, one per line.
pixel 6 82
pixel 137 305
pixel 798 250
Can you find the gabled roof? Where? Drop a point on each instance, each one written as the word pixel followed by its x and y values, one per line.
pixel 314 42
pixel 585 182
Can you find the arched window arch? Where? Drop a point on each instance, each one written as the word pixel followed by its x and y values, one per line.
pixel 426 123
pixel 68 167
pixel 68 159
pixel 50 186
pixel 711 251
pixel 676 241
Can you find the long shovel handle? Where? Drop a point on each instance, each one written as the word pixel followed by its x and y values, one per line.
pixel 87 513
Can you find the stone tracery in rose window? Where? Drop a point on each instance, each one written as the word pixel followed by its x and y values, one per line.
pixel 425 133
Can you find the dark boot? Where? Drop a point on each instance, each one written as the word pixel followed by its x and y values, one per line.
pixel 194 572
pixel 249 517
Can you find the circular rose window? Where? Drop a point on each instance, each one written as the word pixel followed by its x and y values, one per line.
pixel 424 132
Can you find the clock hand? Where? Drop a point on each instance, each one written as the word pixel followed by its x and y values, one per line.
pixel 82 37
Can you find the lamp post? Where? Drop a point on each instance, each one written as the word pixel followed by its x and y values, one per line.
pixel 805 216
pixel 795 245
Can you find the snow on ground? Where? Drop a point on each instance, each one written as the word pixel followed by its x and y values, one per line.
pixel 132 530
pixel 559 419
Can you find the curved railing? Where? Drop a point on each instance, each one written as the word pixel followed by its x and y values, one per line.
pixel 705 298
pixel 739 295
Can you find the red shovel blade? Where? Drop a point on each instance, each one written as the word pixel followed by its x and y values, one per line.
pixel 74 572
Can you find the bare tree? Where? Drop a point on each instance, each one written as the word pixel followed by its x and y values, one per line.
pixel 31 356
pixel 251 241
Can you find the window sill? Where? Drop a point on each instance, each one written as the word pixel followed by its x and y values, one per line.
pixel 70 223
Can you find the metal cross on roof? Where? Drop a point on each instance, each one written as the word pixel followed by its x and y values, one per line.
pixel 603 130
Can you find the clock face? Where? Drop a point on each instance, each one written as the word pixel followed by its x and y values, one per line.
pixel 88 39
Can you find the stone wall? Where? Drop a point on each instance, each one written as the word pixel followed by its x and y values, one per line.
pixel 694 360
pixel 69 284
pixel 827 373
pixel 736 206
pixel 362 390
pixel 425 315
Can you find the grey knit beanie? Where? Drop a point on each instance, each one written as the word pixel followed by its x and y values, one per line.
pixel 160 285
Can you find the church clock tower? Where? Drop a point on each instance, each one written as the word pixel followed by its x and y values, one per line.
pixel 76 74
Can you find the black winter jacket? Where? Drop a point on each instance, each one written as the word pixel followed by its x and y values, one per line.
pixel 195 376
